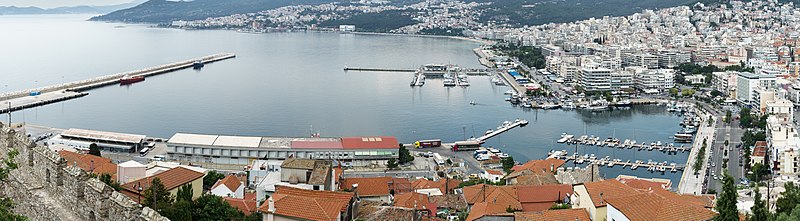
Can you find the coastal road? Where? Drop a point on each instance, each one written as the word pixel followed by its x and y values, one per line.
pixel 691 182
pixel 733 134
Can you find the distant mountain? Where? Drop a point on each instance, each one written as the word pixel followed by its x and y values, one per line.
pixel 163 11
pixel 84 9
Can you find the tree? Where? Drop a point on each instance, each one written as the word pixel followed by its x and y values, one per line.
pixel 94 150
pixel 793 215
pixel 106 178
pixel 674 91
pixel 760 211
pixel 185 193
pixel 405 155
pixel 392 164
pixel 508 163
pixel 745 119
pixel 759 171
pixel 156 196
pixel 211 178
pixel 788 199
pixel 210 207
pixel 728 116
pixel 179 211
pixel 726 204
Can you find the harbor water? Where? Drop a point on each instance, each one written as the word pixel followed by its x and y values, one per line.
pixel 288 84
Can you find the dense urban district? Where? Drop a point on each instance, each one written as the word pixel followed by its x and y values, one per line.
pixel 728 68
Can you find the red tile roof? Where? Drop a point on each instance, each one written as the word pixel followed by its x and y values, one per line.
pixel 759 151
pixel 370 143
pixel 172 178
pixel 553 215
pixel 650 206
pixel 609 188
pixel 539 198
pixel 412 199
pixel 308 204
pixel 423 183
pixel 90 163
pixel 377 186
pixel 230 181
pixel 642 184
pixel 495 172
pixel 497 195
pixel 538 166
pixel 482 209
pixel 246 206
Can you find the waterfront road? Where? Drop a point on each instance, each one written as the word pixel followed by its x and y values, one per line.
pixel 733 153
pixel 692 182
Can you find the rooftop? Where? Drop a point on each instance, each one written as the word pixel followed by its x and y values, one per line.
pixel 172 178
pixel 554 215
pixel 383 142
pixel 230 181
pixel 102 135
pixel 649 206
pixel 90 163
pixel 308 204
pixel 377 186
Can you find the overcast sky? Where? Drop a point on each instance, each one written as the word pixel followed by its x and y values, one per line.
pixel 59 3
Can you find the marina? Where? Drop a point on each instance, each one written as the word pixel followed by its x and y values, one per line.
pixel 611 142
pixel 607 161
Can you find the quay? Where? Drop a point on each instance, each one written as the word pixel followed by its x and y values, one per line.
pixel 378 69
pixel 502 129
pixel 626 144
pixel 607 161
pixel 19 100
pixel 518 89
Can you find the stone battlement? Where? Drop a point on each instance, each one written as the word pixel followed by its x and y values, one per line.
pixel 44 187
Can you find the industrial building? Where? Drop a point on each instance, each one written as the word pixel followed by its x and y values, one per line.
pixel 241 150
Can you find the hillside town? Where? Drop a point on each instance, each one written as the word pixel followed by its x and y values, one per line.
pixel 730 69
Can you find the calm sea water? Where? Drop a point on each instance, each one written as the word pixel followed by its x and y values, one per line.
pixel 283 83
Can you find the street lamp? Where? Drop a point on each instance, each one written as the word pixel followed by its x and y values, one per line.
pixel 139 188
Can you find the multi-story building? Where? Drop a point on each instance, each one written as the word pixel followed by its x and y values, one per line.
pixel 595 79
pixel 746 83
pixel 240 150
pixel 653 81
pixel 621 80
pixel 725 82
pixel 646 60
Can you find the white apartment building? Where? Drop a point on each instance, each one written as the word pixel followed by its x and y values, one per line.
pixel 595 79
pixel 621 80
pixel 653 81
pixel 746 83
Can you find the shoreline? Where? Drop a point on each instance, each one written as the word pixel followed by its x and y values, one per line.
pixel 480 41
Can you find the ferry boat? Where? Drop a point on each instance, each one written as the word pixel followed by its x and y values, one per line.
pixel 683 138
pixel 127 79
pixel 198 64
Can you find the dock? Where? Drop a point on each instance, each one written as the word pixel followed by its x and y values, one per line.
pixel 608 162
pixel 502 129
pixel 19 100
pixel 518 89
pixel 379 69
pixel 592 140
pixel 418 80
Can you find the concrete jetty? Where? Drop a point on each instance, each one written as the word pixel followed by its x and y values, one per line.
pixel 502 129
pixel 19 100
pixel 379 69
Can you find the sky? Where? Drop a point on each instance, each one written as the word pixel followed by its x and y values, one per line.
pixel 59 3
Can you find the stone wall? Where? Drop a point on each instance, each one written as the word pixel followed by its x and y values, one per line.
pixel 44 187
